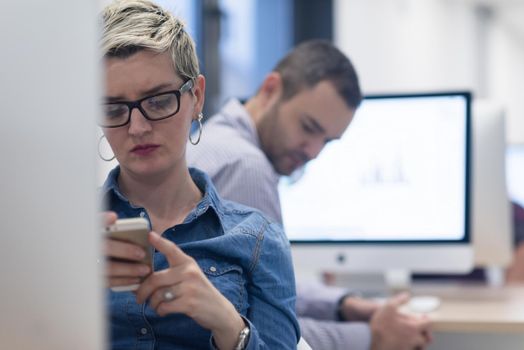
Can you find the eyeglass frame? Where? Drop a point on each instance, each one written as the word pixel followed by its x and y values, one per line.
pixel 187 86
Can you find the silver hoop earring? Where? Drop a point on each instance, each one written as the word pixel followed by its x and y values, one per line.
pixel 199 120
pixel 100 153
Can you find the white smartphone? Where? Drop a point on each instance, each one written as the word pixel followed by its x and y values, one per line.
pixel 134 230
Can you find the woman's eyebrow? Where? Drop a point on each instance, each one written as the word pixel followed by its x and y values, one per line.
pixel 158 88
pixel 147 92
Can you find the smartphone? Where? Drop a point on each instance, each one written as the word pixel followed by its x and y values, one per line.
pixel 134 230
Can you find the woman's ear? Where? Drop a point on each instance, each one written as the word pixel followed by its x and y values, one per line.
pixel 199 91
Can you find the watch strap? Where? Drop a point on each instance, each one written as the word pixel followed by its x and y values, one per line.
pixel 243 338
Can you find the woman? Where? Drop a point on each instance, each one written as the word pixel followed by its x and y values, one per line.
pixel 222 272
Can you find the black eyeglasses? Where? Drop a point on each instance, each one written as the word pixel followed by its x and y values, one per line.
pixel 156 107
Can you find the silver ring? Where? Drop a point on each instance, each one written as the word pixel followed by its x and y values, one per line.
pixel 168 295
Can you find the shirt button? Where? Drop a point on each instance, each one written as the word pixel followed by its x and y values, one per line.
pixel 143 331
pixel 213 269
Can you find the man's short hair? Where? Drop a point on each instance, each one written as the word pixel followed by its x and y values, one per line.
pixel 315 61
pixel 134 25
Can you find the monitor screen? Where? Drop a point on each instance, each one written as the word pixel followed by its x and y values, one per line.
pixel 515 172
pixel 398 174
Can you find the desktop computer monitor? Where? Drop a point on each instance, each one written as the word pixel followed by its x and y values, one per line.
pixel 515 172
pixel 491 210
pixel 393 194
pixel 51 285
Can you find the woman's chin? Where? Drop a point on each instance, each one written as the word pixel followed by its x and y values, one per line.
pixel 146 168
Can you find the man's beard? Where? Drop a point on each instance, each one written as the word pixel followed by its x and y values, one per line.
pixel 270 134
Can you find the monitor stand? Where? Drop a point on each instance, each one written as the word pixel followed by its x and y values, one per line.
pixel 371 284
pixel 397 280
pixel 495 276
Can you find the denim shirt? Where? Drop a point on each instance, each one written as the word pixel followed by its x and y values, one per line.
pixel 245 256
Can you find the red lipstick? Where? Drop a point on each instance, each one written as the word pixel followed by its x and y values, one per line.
pixel 144 150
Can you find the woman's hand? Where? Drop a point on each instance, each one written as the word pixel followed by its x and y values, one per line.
pixel 183 288
pixel 122 267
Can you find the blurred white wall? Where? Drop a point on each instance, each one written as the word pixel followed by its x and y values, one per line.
pixel 505 66
pixel 52 288
pixel 425 45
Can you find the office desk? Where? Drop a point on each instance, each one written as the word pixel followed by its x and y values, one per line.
pixel 476 317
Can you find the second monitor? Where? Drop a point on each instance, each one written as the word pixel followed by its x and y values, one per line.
pixel 392 194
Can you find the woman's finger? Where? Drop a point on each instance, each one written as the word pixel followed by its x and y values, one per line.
pixel 122 281
pixel 124 269
pixel 124 250
pixel 165 295
pixel 108 218
pixel 174 255
pixel 158 280
pixel 177 305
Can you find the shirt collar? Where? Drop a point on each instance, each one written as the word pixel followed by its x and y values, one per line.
pixel 238 117
pixel 210 198
pixel 235 114
pixel 111 184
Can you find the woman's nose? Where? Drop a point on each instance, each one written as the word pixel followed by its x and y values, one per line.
pixel 138 124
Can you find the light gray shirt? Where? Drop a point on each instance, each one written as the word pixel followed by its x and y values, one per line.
pixel 229 152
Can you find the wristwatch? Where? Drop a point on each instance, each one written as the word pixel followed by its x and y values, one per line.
pixel 243 338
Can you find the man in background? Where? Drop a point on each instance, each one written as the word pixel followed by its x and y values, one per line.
pixel 308 100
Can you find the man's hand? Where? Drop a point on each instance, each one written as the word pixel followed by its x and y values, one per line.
pixel 357 309
pixel 392 330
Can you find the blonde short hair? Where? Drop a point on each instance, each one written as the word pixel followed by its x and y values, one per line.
pixel 134 25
